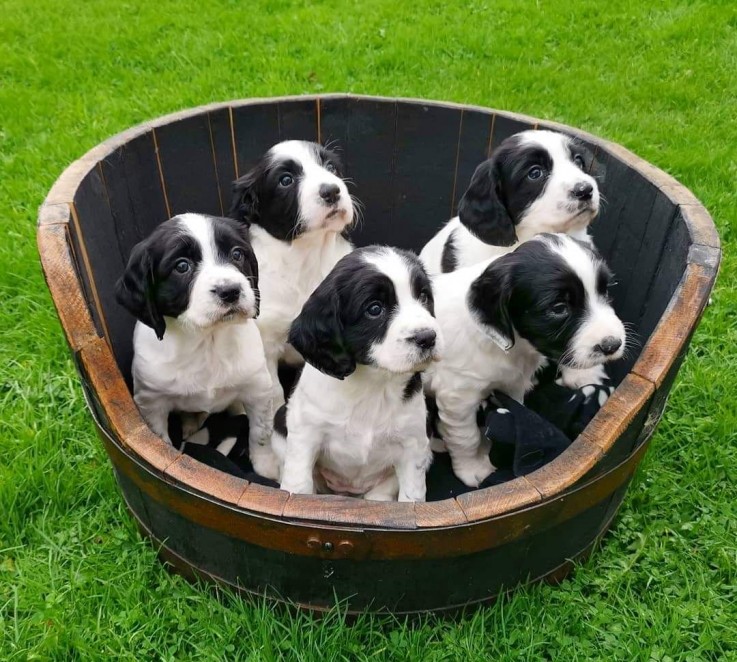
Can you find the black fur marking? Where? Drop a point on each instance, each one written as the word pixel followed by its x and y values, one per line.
pixel 260 198
pixel 150 287
pixel 419 281
pixel 280 421
pixel 350 312
pixel 448 261
pixel 413 387
pixel 519 291
pixel 501 190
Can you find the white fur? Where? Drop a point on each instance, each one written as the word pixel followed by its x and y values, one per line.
pixel 206 362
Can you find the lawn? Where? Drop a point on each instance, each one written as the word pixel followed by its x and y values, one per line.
pixel 77 582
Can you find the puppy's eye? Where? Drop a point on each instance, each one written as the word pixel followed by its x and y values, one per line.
pixel 535 172
pixel 374 309
pixel 424 297
pixel 560 309
pixel 286 180
pixel 237 254
pixel 182 266
pixel 578 160
pixel 330 167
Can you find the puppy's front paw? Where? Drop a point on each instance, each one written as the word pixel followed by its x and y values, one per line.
pixel 472 471
pixel 576 378
pixel 298 487
pixel 265 463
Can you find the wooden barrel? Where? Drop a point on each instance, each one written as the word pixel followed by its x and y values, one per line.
pixel 411 160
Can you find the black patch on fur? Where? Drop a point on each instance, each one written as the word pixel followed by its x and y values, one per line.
pixel 419 281
pixel 501 189
pixel 280 421
pixel 229 235
pixel 448 261
pixel 260 198
pixel 518 292
pixel 336 330
pixel 412 387
pixel 152 289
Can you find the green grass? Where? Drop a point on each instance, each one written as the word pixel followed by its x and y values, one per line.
pixel 75 579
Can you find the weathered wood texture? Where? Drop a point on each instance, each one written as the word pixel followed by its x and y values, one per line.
pixel 411 162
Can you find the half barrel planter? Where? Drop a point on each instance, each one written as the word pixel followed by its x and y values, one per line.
pixel 412 160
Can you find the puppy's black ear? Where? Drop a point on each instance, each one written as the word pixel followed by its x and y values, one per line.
pixel 245 197
pixel 135 289
pixel 488 299
pixel 482 208
pixel 317 334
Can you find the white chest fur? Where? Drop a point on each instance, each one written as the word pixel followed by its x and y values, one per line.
pixel 197 372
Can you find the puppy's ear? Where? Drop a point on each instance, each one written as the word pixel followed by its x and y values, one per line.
pixel 488 299
pixel 245 197
pixel 317 334
pixel 482 208
pixel 135 289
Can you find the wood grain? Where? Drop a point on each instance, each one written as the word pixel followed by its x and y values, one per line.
pixel 207 480
pixel 62 279
pixel 492 501
pixel 675 326
pixel 439 513
pixel 348 510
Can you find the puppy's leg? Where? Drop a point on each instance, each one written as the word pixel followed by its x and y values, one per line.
pixel 387 490
pixel 272 354
pixel 411 468
pixel 299 462
pixel 158 421
pixel 258 407
pixel 155 410
pixel 457 425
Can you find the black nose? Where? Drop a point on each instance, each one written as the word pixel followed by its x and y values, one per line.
pixel 228 293
pixel 330 193
pixel 424 339
pixel 609 345
pixel 582 191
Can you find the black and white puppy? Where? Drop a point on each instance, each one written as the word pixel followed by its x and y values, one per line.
pixel 193 287
pixel 535 182
pixel 299 208
pixel 502 319
pixel 356 418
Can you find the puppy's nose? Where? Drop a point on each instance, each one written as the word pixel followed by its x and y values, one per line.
pixel 424 339
pixel 582 191
pixel 330 193
pixel 228 293
pixel 609 345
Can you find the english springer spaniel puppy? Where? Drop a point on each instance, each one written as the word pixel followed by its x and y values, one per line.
pixel 502 319
pixel 193 287
pixel 299 208
pixel 356 419
pixel 535 182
